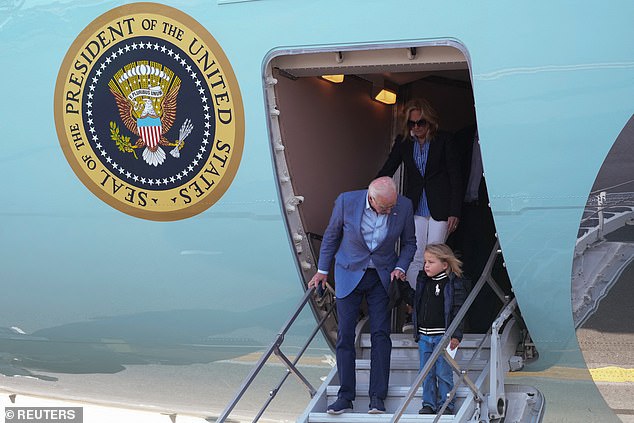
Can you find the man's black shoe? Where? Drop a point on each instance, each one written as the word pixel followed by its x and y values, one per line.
pixel 339 406
pixel 426 410
pixel 376 406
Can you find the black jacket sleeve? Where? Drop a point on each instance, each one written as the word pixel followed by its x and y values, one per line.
pixel 459 297
pixel 393 160
pixel 455 178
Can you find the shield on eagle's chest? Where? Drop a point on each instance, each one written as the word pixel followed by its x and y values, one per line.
pixel 150 130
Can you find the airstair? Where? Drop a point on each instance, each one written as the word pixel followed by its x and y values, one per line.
pixel 599 261
pixel 480 365
pixel 472 383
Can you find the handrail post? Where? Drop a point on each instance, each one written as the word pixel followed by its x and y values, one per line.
pixel 601 200
pixel 464 376
pixel 291 367
pixel 497 398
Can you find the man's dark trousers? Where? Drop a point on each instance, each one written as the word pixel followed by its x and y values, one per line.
pixel 348 312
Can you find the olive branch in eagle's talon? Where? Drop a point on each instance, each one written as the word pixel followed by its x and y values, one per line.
pixel 123 142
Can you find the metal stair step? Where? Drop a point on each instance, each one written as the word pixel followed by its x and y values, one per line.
pixel 364 417
pixel 394 398
pixel 404 372
pixel 393 391
pixel 463 354
pixel 405 340
pixel 396 365
pixel 407 378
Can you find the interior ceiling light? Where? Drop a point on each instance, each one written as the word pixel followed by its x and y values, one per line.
pixel 333 78
pixel 386 97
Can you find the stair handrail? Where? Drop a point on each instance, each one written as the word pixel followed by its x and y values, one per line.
pixel 496 379
pixel 440 348
pixel 462 371
pixel 274 348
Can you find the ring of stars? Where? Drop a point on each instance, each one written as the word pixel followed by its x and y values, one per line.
pixel 203 98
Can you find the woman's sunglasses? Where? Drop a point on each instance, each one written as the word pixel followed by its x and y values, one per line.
pixel 420 123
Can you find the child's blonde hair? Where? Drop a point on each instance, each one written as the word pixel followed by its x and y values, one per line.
pixel 443 253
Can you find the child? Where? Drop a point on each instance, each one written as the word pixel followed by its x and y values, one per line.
pixel 440 292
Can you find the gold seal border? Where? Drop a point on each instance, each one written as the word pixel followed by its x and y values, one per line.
pixel 221 186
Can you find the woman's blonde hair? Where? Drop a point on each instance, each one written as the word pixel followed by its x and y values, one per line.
pixel 445 254
pixel 428 113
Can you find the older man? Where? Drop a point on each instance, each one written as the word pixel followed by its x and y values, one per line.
pixel 361 238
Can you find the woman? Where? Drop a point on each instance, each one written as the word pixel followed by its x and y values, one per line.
pixel 432 178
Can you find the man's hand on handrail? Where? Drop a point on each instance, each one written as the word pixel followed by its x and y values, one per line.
pixel 319 280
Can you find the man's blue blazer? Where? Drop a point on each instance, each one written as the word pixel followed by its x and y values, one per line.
pixel 344 242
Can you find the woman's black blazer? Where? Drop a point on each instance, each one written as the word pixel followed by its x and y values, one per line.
pixel 442 181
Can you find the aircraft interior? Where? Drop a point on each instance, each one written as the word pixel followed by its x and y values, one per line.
pixel 330 137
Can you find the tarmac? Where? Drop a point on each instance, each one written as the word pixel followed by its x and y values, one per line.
pixel 607 343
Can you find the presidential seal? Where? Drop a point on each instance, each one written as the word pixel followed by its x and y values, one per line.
pixel 148 112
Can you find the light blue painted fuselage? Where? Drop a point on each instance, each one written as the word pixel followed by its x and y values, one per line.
pixel 553 87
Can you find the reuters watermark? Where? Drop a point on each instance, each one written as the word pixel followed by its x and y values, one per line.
pixel 43 415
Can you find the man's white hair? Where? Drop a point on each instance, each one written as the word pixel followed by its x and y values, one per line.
pixel 383 187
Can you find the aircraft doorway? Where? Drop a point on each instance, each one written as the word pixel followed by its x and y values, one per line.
pixel 329 137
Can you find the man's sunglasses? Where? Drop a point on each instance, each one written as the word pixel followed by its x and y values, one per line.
pixel 420 123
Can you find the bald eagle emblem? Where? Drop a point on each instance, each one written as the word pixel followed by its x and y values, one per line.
pixel 145 94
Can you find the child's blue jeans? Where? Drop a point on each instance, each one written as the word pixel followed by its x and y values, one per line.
pixel 439 380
